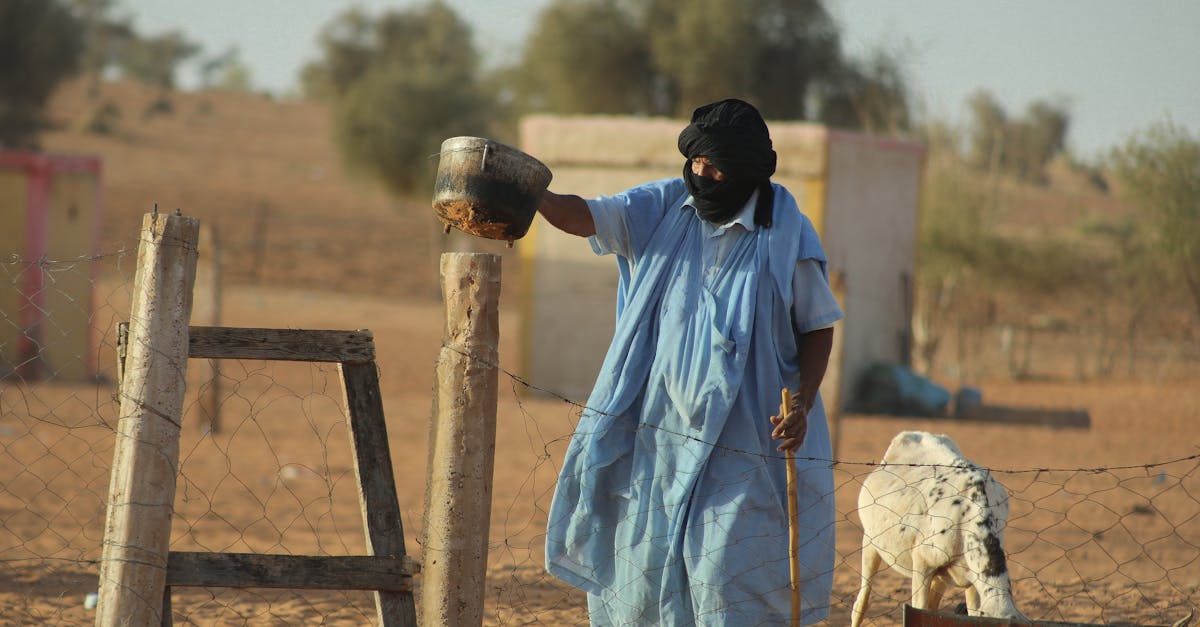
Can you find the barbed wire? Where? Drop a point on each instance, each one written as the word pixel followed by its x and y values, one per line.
pixel 46 262
pixel 1114 543
pixel 583 407
pixel 1033 529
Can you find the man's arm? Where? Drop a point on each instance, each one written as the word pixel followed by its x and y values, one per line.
pixel 568 213
pixel 814 348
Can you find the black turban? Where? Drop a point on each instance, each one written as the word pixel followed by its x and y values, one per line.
pixel 733 136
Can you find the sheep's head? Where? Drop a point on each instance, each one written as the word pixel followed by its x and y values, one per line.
pixel 997 605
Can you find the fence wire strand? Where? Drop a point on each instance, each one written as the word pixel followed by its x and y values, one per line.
pixel 1103 543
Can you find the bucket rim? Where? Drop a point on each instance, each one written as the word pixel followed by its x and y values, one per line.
pixel 471 143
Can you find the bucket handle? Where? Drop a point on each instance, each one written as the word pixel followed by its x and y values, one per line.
pixel 483 162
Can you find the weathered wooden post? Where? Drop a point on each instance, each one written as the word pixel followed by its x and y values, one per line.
pixel 206 311
pixel 834 380
pixel 141 492
pixel 462 440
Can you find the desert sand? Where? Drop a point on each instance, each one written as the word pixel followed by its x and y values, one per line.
pixel 1099 531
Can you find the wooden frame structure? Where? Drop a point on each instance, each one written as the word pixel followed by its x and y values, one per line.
pixel 386 570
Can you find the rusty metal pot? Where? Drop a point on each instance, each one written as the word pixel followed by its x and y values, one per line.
pixel 487 188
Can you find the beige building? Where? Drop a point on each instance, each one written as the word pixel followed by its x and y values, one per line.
pixel 860 192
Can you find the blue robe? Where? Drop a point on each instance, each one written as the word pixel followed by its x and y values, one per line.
pixel 671 505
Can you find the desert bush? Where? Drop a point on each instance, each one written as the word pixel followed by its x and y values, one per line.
pixel 104 118
pixel 1159 170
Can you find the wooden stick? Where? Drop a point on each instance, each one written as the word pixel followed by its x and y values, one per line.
pixel 793 517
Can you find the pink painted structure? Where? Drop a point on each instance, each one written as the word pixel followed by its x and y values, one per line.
pixel 50 208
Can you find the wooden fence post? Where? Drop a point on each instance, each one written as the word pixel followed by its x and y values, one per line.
pixel 206 311
pixel 834 386
pixel 462 440
pixel 141 492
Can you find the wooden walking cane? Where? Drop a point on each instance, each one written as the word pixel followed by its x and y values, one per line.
pixel 793 516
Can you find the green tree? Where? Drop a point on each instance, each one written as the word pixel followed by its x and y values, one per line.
pixel 952 223
pixel 701 48
pixel 110 41
pixel 1133 278
pixel 401 84
pixel 1033 140
pixel 154 60
pixel 349 45
pixel 988 128
pixel 770 52
pixel 870 94
pixel 226 72
pixel 1048 125
pixel 40 42
pixel 1020 146
pixel 586 56
pixel 964 263
pixel 1159 170
pixel 101 36
pixel 665 57
pixel 799 46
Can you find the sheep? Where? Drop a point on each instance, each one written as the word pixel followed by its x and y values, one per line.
pixel 930 513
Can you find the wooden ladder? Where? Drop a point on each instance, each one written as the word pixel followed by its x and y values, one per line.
pixel 386 569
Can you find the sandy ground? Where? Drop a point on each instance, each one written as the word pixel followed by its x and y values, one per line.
pixel 1098 533
pixel 1105 525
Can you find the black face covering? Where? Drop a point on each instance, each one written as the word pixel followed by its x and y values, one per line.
pixel 734 138
pixel 716 201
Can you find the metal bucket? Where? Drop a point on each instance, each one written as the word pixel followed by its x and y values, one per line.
pixel 488 189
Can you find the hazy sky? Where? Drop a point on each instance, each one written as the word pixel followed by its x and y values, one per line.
pixel 1119 65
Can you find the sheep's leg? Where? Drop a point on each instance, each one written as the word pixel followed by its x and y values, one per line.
pixel 937 589
pixel 972 595
pixel 870 566
pixel 922 582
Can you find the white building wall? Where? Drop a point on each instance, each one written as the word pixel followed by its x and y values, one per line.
pixel 859 191
pixel 870 238
pixel 569 296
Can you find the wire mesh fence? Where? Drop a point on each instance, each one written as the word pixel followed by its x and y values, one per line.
pixel 57 416
pixel 1095 543
pixel 1103 544
pixel 277 478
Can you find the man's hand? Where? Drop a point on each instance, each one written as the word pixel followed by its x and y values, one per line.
pixel 792 428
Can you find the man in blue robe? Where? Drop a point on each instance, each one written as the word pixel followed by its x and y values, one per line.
pixel 671 506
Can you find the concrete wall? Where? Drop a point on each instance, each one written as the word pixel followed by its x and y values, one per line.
pixel 870 238
pixel 568 295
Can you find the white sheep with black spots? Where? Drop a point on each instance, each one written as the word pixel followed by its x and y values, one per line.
pixel 930 513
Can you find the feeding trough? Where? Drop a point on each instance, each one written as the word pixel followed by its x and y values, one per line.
pixel 487 188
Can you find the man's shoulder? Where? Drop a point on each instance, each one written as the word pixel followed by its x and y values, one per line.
pixel 657 194
pixel 784 196
pixel 789 212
